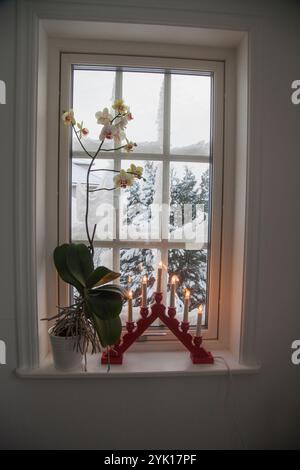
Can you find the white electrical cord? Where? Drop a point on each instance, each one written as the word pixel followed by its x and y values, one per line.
pixel 232 408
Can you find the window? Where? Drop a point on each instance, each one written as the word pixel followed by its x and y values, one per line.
pixel 42 211
pixel 174 216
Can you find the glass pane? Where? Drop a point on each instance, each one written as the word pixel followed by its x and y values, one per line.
pixel 136 263
pixel 190 114
pixel 93 90
pixel 144 93
pixel 103 257
pixel 189 202
pixel 140 204
pixel 101 210
pixel 190 266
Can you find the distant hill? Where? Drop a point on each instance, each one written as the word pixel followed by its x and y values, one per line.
pixel 200 148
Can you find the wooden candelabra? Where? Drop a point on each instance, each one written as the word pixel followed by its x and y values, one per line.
pixel 180 329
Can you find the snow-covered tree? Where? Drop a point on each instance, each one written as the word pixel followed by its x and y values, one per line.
pixel 190 268
pixel 137 262
pixel 184 190
pixel 204 190
pixel 189 265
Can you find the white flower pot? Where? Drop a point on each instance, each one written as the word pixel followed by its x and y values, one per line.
pixel 65 355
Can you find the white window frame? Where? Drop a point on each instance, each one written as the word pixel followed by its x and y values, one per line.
pixel 215 158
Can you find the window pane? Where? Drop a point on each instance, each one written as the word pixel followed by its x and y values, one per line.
pixel 190 114
pixel 93 90
pixel 103 257
pixel 136 263
pixel 190 266
pixel 144 93
pixel 189 201
pixel 140 204
pixel 101 210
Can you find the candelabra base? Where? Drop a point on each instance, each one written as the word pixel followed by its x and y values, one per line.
pixel 202 357
pixel 135 329
pixel 111 359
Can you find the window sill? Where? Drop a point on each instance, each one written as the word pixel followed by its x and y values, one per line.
pixel 145 364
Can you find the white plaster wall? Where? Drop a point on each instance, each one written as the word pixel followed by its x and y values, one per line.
pixel 184 412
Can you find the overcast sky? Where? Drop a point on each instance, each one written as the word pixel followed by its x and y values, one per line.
pixel 190 104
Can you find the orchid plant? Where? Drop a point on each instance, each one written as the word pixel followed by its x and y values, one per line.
pixel 94 318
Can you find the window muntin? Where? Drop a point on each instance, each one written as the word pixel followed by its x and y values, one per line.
pixel 166 246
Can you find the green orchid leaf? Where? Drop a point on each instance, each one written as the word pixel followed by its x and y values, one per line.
pixel 109 331
pixel 106 305
pixel 86 260
pixel 80 262
pixel 60 261
pixel 111 288
pixel 100 276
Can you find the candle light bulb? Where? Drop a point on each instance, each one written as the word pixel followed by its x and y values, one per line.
pixel 130 294
pixel 145 279
pixel 187 294
pixel 200 309
pixel 174 279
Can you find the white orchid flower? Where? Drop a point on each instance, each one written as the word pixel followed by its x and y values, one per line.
pixel 129 146
pixel 83 131
pixel 123 179
pixel 103 117
pixel 120 107
pixel 122 122
pixel 68 117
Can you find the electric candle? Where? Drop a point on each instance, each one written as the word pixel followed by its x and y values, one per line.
pixel 159 277
pixel 199 321
pixel 144 291
pixel 186 306
pixel 130 306
pixel 173 291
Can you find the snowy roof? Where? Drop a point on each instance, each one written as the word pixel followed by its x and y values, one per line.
pixel 91 145
pixel 79 170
